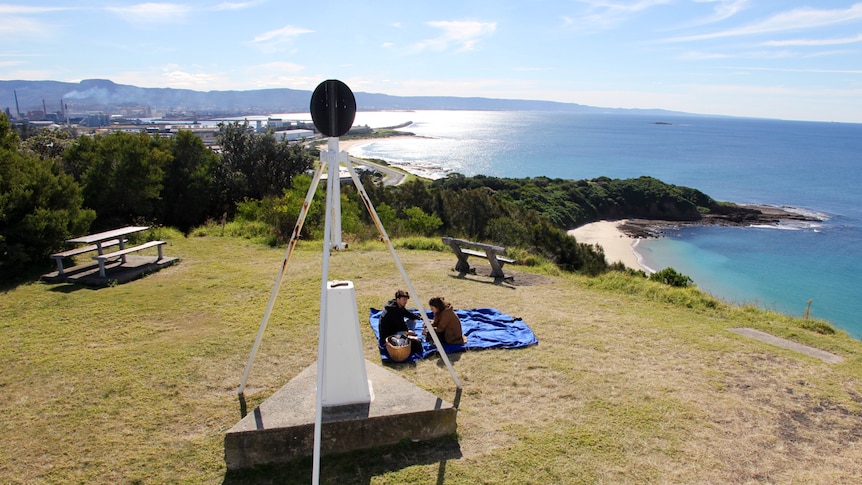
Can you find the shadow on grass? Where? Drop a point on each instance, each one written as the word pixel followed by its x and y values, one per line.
pixel 9 280
pixel 69 288
pixel 358 467
pixel 502 282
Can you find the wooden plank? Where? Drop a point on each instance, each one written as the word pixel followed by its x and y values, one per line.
pixel 473 245
pixel 474 253
pixel 84 249
pixel 102 258
pixel 58 257
pixel 101 236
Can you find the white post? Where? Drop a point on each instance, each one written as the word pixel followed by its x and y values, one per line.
pixel 345 381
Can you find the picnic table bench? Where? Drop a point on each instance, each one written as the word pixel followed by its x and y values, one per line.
pixel 496 255
pixel 103 258
pixel 100 241
pixel 59 257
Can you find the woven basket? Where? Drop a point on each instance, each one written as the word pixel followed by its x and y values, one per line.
pixel 398 353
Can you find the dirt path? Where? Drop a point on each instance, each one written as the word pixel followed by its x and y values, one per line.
pixel 788 344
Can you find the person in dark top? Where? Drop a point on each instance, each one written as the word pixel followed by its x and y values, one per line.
pixel 392 321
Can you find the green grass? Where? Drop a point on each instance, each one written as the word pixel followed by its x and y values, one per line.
pixel 632 381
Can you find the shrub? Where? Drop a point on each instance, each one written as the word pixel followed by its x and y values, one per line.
pixel 818 326
pixel 669 276
pixel 418 222
pixel 39 208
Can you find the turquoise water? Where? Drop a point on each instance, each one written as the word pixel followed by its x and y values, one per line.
pixel 813 167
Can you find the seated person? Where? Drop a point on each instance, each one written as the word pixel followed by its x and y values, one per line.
pixel 392 321
pixel 446 322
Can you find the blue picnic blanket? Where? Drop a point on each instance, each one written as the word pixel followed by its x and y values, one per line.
pixel 485 328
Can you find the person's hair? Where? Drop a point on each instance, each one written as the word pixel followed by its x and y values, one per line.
pixel 437 302
pixel 400 293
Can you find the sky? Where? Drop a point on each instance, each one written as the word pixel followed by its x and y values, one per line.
pixel 784 59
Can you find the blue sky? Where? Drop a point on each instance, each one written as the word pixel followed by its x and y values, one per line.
pixel 786 59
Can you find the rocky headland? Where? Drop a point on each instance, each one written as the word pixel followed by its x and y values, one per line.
pixel 727 215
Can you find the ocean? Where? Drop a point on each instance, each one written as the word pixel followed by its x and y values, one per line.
pixel 807 166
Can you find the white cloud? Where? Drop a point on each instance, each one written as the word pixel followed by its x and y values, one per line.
pixel 724 10
pixel 6 9
pixel 284 34
pixel 793 20
pixel 22 27
pixel 463 35
pixel 152 13
pixel 815 42
pixel 280 66
pixel 5 64
pixel 17 21
pixel 197 80
pixel 802 70
pixel 236 5
pixel 604 14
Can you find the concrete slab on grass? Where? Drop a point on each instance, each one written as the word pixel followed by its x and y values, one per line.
pixel 789 345
pixel 281 429
pixel 116 272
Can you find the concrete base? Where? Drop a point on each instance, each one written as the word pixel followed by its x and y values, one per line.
pixel 281 429
pixel 116 272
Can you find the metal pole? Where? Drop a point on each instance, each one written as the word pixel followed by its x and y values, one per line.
pixel 290 246
pixel 321 348
pixel 335 186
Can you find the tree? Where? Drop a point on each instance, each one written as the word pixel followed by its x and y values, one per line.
pixel 189 187
pixel 418 222
pixel 467 212
pixel 39 207
pixel 49 144
pixel 256 165
pixel 124 180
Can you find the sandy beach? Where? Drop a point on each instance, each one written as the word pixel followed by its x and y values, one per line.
pixel 617 245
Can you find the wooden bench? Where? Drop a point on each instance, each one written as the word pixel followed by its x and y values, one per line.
pixel 494 254
pixel 59 257
pixel 102 258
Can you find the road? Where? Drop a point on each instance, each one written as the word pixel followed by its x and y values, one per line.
pixel 390 175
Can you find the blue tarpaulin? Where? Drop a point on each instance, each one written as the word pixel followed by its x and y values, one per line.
pixel 485 328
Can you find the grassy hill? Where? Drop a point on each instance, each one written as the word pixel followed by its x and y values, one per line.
pixel 632 381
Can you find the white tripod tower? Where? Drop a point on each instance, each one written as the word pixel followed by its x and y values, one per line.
pixel 341 374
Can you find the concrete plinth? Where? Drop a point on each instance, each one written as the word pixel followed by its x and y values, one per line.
pixel 115 271
pixel 281 429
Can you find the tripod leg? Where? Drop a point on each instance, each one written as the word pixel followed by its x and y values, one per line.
pixel 382 230
pixel 292 244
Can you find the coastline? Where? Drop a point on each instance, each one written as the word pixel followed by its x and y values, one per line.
pixel 620 238
pixel 617 244
pixel 427 170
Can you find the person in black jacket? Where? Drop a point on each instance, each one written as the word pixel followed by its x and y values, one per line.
pixel 392 321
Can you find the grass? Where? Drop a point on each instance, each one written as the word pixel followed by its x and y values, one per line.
pixel 632 381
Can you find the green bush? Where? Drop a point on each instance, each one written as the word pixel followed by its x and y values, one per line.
pixel 669 276
pixel 39 208
pixel 818 326
pixel 418 222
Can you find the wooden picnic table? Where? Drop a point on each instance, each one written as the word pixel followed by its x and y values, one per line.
pixel 101 237
pixel 95 242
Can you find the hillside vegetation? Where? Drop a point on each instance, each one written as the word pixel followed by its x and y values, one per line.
pixel 56 186
pixel 632 381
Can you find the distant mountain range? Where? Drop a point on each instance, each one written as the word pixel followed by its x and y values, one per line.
pixel 101 95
